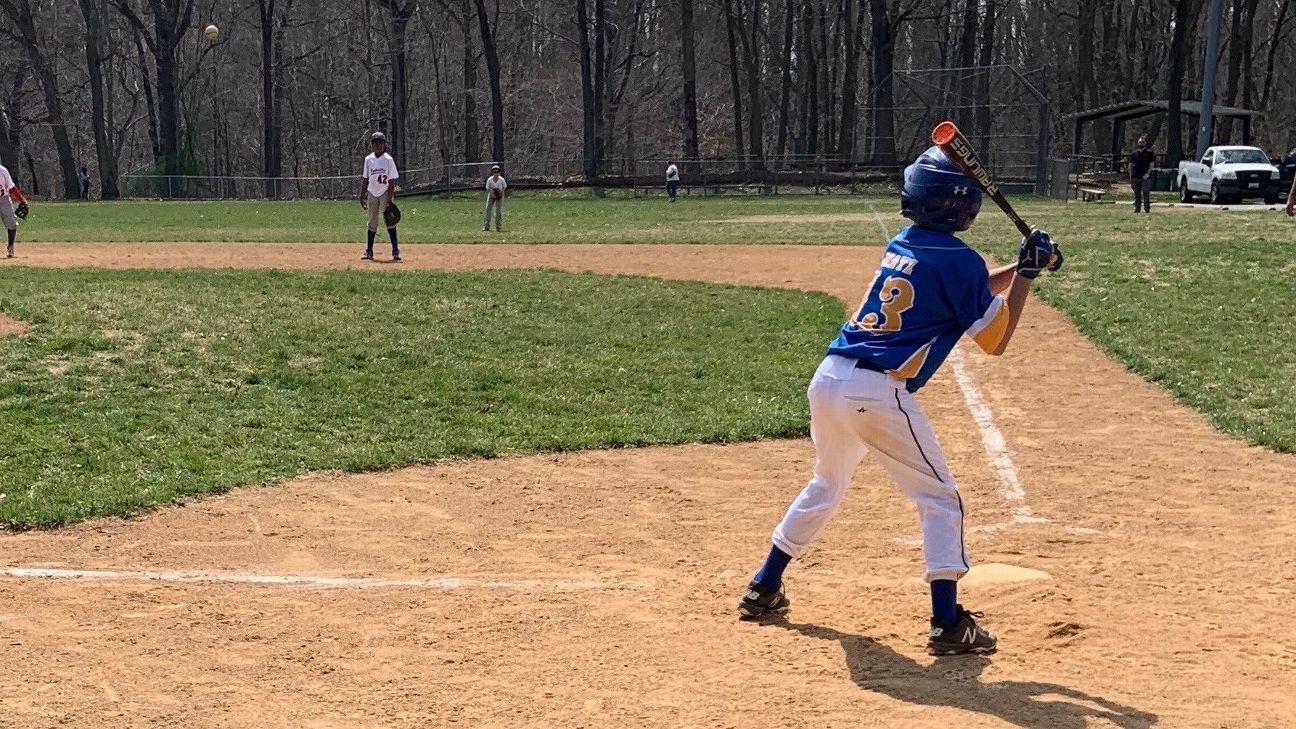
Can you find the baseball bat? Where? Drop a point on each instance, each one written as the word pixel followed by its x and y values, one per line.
pixel 947 136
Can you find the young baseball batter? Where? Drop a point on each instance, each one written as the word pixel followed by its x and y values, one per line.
pixel 377 190
pixel 9 215
pixel 929 291
pixel 496 186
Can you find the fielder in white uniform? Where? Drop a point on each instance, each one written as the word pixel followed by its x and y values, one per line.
pixel 929 291
pixel 496 187
pixel 9 193
pixel 376 192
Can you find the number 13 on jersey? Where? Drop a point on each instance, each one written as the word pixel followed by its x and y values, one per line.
pixel 895 298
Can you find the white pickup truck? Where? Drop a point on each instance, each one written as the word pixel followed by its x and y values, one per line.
pixel 1229 174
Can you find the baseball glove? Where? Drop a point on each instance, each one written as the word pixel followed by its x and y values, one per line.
pixel 497 195
pixel 392 215
pixel 22 210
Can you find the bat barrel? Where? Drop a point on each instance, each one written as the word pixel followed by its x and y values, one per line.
pixel 944 133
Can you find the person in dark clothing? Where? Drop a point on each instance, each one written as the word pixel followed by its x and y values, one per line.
pixel 85 183
pixel 1140 165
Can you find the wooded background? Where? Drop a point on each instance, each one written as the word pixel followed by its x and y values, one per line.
pixel 294 87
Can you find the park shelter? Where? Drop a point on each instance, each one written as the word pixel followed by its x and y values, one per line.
pixel 1128 111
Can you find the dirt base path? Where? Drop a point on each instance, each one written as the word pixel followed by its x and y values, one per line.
pixel 1137 565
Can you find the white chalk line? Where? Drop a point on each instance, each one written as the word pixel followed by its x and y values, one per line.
pixel 996 448
pixel 319 582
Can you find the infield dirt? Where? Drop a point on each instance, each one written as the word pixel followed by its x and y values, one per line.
pixel 597 589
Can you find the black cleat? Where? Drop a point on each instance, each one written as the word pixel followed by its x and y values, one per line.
pixel 965 636
pixel 757 603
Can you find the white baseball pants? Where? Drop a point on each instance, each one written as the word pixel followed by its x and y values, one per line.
pixel 498 207
pixel 377 206
pixel 854 412
pixel 7 216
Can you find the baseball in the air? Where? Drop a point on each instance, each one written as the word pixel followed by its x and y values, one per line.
pixel 211 33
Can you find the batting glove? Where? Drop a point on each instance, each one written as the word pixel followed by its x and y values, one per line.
pixel 1035 254
pixel 1057 257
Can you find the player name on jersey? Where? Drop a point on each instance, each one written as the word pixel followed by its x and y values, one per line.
pixel 899 262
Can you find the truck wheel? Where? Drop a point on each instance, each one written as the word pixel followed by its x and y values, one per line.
pixel 1272 200
pixel 1185 195
pixel 1215 197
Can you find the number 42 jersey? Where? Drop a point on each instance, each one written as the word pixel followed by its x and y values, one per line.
pixel 929 290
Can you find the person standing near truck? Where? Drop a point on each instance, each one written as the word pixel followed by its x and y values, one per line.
pixel 1140 165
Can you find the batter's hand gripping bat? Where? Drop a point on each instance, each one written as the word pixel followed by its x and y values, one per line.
pixel 947 136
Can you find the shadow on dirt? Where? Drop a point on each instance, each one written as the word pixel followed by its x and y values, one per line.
pixel 954 681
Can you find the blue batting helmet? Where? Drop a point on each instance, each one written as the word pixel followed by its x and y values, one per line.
pixel 937 195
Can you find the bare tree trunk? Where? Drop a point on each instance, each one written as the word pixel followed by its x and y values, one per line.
pixel 755 107
pixel 497 94
pixel 19 13
pixel 690 82
pixel 1279 22
pixel 600 82
pixel 982 125
pixel 400 13
pixel 1235 49
pixel 170 23
pixel 95 57
pixel 824 91
pixel 588 111
pixel 734 83
pixel 786 83
pixel 883 60
pixel 472 137
pixel 632 22
pixel 850 86
pixel 149 103
pixel 967 45
pixel 271 28
pixel 829 88
pixel 1185 18
pixel 810 84
pixel 8 141
pixel 442 106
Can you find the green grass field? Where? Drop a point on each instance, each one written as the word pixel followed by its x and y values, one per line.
pixel 137 388
pixel 528 219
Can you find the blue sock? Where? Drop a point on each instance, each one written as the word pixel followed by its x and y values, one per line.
pixel 391 233
pixel 771 573
pixel 371 240
pixel 944 595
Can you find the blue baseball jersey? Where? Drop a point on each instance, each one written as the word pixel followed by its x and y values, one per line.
pixel 929 290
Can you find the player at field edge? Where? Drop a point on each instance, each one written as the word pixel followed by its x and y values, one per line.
pixel 930 289
pixel 8 215
pixel 376 192
pixel 1140 165
pixel 496 187
pixel 1291 199
pixel 672 180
